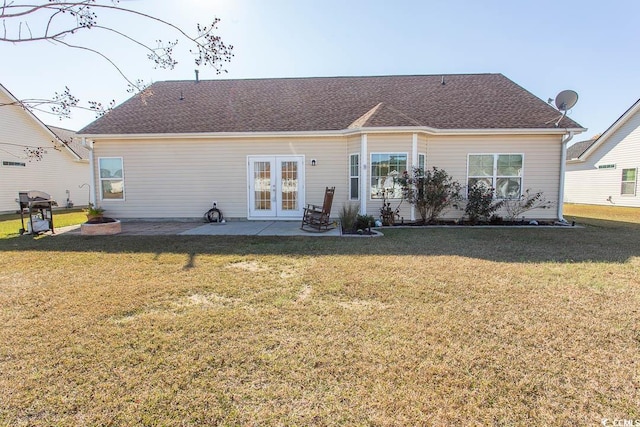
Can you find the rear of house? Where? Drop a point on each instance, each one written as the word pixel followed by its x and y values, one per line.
pixel 264 148
pixel 604 171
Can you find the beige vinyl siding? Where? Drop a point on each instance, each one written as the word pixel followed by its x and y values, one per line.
pixel 57 172
pixel 178 178
pixel 541 168
pixel 422 146
pixel 586 183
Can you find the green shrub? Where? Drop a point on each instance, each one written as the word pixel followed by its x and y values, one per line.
pixel 364 222
pixel 431 191
pixel 348 216
pixel 526 202
pixel 480 203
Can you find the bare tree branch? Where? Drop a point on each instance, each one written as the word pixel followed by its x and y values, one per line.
pixel 209 49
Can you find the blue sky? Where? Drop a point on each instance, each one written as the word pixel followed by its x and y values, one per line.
pixel 544 46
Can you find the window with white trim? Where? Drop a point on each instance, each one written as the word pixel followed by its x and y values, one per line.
pixel 385 169
pixel 629 178
pixel 354 177
pixel 111 178
pixel 422 162
pixel 500 171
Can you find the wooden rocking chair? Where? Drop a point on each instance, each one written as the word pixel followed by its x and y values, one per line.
pixel 318 216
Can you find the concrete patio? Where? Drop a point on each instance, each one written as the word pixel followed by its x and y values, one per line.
pixel 230 228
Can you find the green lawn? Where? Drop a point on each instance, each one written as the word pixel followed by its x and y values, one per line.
pixel 440 326
pixel 609 213
pixel 10 224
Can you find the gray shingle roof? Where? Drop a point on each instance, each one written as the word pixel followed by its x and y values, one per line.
pixel 465 101
pixel 69 137
pixel 576 150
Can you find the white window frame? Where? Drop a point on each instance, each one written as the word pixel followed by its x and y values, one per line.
pixel 495 176
pixel 635 182
pixel 352 176
pixel 422 164
pixel 101 179
pixel 387 153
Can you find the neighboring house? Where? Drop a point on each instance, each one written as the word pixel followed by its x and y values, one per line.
pixel 64 165
pixel 262 148
pixel 604 171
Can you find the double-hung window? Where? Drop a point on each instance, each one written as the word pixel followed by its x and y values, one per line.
pixel 500 171
pixel 111 178
pixel 354 177
pixel 629 177
pixel 386 168
pixel 422 162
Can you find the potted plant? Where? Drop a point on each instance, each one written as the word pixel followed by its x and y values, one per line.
pixel 94 212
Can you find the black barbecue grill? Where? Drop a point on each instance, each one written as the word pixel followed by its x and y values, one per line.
pixel 38 205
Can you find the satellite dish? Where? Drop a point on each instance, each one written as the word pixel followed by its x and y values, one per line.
pixel 566 100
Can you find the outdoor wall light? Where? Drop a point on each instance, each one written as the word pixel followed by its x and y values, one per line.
pixel 313 162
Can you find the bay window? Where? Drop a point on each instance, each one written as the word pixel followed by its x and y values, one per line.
pixel 354 177
pixel 385 169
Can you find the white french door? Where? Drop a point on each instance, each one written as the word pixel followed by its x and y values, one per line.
pixel 276 186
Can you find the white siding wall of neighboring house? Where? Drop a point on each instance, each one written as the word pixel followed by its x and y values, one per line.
pixel 179 178
pixel 54 174
pixel 586 183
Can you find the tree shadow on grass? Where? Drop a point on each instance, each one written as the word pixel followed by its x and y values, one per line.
pixel 598 241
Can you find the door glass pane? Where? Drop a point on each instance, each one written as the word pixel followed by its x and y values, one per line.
pixel 262 185
pixel 289 184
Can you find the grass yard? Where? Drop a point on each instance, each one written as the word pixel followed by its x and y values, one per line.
pixel 10 224
pixel 421 327
pixel 610 213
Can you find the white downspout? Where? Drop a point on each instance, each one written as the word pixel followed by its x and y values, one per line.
pixel 414 164
pixel 563 164
pixel 363 174
pixel 92 174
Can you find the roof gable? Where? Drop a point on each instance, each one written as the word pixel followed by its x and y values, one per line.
pixel 69 138
pixel 576 150
pixel 622 120
pixel 39 124
pixel 461 101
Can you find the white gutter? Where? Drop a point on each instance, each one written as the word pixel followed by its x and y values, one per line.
pixel 563 161
pixel 364 169
pixel 92 174
pixel 335 133
pixel 414 164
